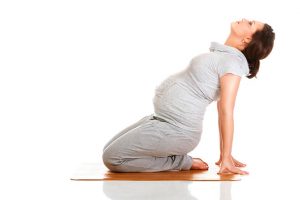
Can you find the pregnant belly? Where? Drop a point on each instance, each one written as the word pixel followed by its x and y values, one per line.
pixel 180 107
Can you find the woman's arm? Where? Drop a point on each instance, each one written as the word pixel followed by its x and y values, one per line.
pixel 229 84
pixel 236 162
pixel 219 125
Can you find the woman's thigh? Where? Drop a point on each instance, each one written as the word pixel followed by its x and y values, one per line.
pixel 151 138
pixel 138 142
pixel 132 126
pixel 175 141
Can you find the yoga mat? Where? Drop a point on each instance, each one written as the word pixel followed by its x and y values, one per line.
pixel 97 172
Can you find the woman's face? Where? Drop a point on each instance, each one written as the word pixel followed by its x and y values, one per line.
pixel 244 28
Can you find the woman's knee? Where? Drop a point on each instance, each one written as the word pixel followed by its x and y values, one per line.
pixel 111 161
pixel 109 157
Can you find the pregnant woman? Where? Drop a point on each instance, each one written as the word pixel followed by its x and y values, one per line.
pixel 161 141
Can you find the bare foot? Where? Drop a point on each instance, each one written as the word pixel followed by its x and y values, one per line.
pixel 199 164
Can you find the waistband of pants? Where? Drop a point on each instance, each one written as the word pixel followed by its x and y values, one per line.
pixel 158 118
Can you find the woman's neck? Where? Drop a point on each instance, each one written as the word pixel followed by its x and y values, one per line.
pixel 231 42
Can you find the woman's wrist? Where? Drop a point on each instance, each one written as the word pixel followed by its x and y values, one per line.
pixel 225 156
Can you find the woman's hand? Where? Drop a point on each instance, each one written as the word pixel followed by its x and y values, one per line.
pixel 236 162
pixel 228 167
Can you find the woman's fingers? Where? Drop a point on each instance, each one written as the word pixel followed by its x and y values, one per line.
pixel 233 170
pixel 238 163
pixel 223 171
pixel 229 165
pixel 218 162
pixel 239 171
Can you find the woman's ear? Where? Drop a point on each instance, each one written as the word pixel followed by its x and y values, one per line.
pixel 246 40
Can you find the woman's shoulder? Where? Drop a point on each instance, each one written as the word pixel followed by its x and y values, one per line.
pixel 233 61
pixel 221 60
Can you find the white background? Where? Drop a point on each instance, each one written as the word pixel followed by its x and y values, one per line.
pixel 75 73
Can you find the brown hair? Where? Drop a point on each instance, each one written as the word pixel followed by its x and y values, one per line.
pixel 259 48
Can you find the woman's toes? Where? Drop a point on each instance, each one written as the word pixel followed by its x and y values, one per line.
pixel 203 167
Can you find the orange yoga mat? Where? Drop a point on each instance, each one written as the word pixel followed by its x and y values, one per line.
pixel 98 172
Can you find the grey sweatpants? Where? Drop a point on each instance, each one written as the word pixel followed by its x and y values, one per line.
pixel 150 145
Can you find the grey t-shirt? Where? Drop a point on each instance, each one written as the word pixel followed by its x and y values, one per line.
pixel 182 98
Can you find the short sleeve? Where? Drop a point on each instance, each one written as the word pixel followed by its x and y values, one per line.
pixel 230 66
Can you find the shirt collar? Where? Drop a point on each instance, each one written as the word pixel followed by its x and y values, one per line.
pixel 215 46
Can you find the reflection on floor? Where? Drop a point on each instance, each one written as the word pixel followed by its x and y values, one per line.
pixel 128 190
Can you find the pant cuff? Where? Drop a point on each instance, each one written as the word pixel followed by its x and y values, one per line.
pixel 187 163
